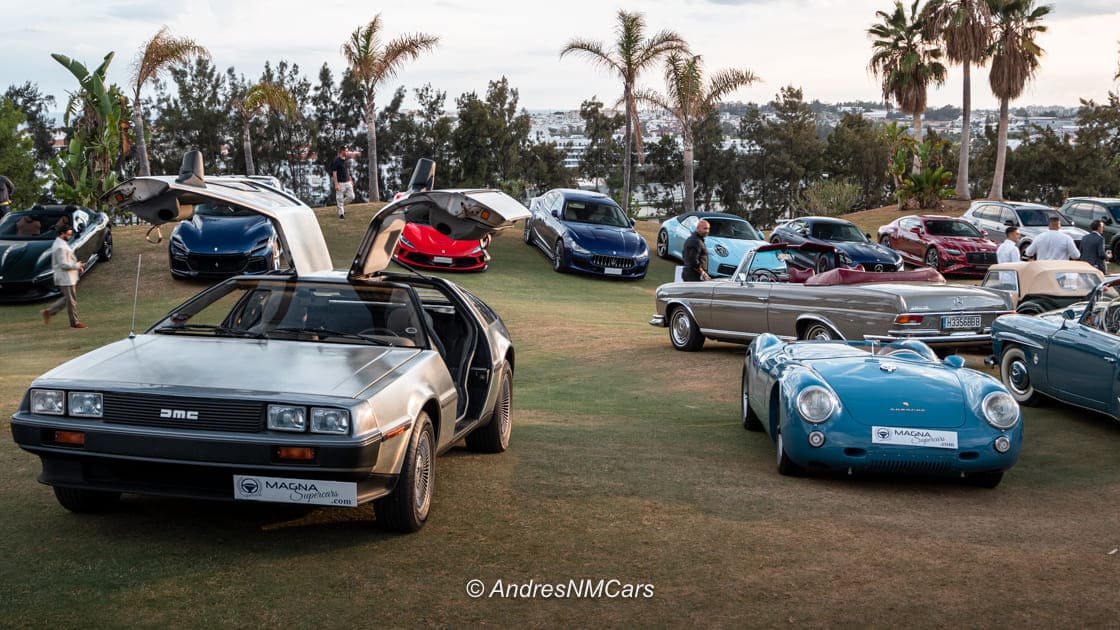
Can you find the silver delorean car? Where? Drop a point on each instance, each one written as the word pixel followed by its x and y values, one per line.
pixel 315 386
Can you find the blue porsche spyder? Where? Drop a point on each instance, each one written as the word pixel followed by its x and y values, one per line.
pixel 586 231
pixel 221 240
pixel 843 235
pixel 730 238
pixel 882 408
pixel 1070 355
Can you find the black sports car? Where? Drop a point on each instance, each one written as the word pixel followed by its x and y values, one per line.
pixel 25 247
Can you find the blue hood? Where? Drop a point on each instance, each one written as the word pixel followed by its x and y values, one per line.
pixel 223 235
pixel 608 240
pixel 867 253
pixel 21 261
pixel 873 396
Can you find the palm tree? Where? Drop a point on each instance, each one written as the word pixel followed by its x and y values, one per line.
pixel 1015 59
pixel 965 27
pixel 689 101
pixel 371 63
pixel 906 60
pixel 632 53
pixel 158 54
pixel 264 96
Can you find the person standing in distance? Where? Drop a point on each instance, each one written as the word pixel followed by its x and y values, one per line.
pixel 1092 247
pixel 696 254
pixel 1053 244
pixel 1009 249
pixel 66 272
pixel 343 182
pixel 7 189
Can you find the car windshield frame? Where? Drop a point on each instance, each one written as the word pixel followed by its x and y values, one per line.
pixel 835 230
pixel 594 213
pixel 1040 217
pixel 303 310
pixel 732 229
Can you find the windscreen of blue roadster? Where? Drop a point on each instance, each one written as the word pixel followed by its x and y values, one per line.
pixel 300 310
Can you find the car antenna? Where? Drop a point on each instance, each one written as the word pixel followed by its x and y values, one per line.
pixel 135 296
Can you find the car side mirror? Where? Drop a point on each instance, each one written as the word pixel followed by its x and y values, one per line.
pixel 556 213
pixel 916 230
pixel 741 278
pixel 867 236
pixel 984 233
pixel 954 361
pixel 1107 220
pixel 632 222
pixel 1069 313
pixel 1009 223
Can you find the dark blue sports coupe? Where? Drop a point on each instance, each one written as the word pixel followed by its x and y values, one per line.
pixel 223 240
pixel 1070 355
pixel 586 231
pixel 841 234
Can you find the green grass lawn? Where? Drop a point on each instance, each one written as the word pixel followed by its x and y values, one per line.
pixel 627 462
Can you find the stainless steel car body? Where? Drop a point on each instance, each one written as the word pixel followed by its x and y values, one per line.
pixel 739 309
pixel 184 406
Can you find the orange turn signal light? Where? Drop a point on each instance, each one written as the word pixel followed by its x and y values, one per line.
pixel 73 438
pixel 395 432
pixel 485 215
pixel 300 453
pixel 908 319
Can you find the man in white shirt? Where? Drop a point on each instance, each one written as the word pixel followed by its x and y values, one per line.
pixel 1009 249
pixel 1053 244
pixel 66 272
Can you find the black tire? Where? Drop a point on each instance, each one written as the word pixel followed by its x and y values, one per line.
pixel 786 467
pixel 750 418
pixel 933 259
pixel 885 241
pixel 406 508
pixel 558 264
pixel 528 235
pixel 494 437
pixel 663 244
pixel 1015 375
pixel 1034 307
pixel 985 479
pixel 106 251
pixel 1115 252
pixel 775 239
pixel 683 331
pixel 82 501
pixel 818 332
pixel 1023 245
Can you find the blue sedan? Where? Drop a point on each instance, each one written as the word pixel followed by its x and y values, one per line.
pixel 881 408
pixel 730 238
pixel 587 232
pixel 220 241
pixel 842 234
pixel 1069 355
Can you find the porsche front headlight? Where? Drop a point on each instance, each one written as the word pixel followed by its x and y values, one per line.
pixel 1000 410
pixel 816 404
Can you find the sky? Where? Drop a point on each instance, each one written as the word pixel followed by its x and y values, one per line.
pixel 820 46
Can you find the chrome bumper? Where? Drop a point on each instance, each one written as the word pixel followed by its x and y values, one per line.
pixel 658 320
pixel 936 340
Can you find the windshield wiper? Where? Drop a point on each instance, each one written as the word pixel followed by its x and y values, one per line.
pixel 216 329
pixel 327 332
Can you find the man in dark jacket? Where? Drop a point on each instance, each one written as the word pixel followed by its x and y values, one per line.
pixel 1092 246
pixel 696 255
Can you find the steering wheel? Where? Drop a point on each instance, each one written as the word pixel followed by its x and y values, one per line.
pixel 1112 319
pixel 763 275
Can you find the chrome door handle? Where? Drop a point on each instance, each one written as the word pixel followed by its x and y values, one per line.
pixel 763 299
pixel 1110 359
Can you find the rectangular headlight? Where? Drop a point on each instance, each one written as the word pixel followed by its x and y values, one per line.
pixel 51 402
pixel 328 420
pixel 287 418
pixel 85 404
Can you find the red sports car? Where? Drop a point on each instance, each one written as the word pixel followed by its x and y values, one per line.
pixel 947 244
pixel 424 246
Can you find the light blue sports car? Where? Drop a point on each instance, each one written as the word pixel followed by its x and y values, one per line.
pixel 863 406
pixel 730 239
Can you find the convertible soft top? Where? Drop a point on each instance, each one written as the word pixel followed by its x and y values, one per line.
pixel 842 275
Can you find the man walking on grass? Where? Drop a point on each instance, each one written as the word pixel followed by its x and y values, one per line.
pixel 66 272
pixel 343 182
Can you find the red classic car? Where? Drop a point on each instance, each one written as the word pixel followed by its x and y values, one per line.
pixel 947 244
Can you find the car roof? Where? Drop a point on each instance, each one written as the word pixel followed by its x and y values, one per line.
pixel 710 215
pixel 824 220
pixel 1103 200
pixel 937 217
pixel 1037 276
pixel 807 246
pixel 577 193
pixel 1009 204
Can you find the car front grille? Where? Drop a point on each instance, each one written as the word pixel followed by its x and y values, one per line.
pixel 617 262
pixel 980 258
pixel 909 467
pixel 183 412
pixel 218 263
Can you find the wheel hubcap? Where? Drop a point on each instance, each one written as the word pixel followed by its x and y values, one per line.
pixel 746 399
pixel 423 476
pixel 819 334
pixel 662 246
pixel 680 329
pixel 1018 378
pixel 504 424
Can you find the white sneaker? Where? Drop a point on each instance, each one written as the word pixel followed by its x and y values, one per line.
pixel 342 215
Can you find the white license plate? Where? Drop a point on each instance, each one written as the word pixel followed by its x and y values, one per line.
pixel 960 321
pixel 900 436
pixel 610 271
pixel 285 490
pixel 442 260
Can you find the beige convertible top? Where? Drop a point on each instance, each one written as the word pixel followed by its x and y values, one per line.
pixel 1051 277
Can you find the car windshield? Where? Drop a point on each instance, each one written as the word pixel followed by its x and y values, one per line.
pixel 1115 212
pixel 846 232
pixel 31 226
pixel 595 213
pixel 1039 217
pixel 952 228
pixel 735 229
pixel 222 210
pixel 301 310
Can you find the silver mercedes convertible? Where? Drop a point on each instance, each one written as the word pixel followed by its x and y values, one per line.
pixel 314 386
